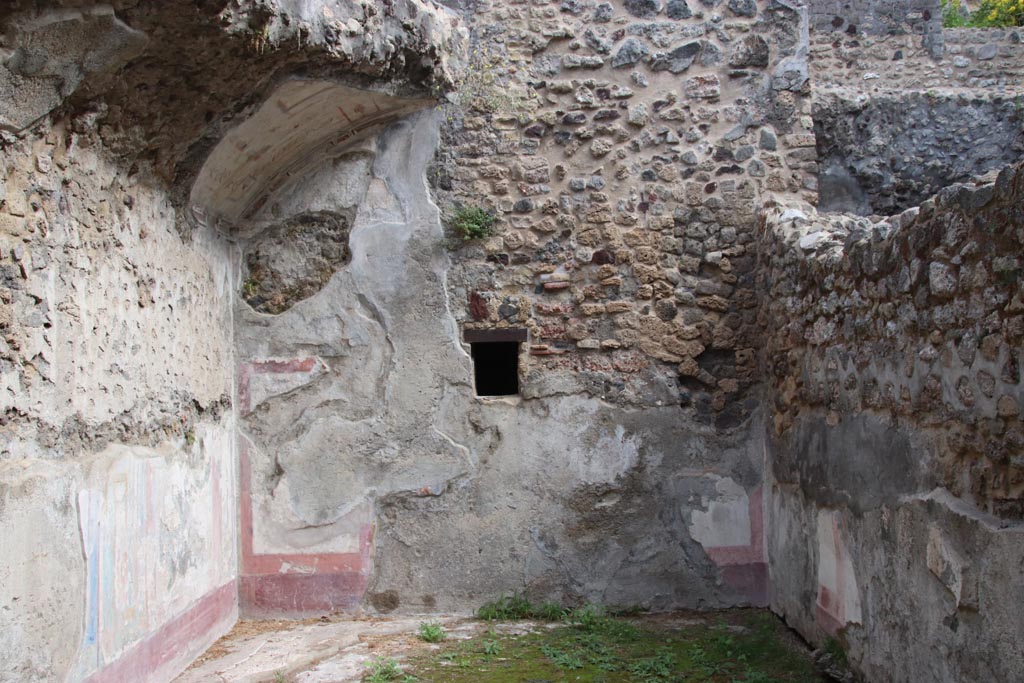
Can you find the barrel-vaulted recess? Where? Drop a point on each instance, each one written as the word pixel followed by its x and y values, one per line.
pixel 297 126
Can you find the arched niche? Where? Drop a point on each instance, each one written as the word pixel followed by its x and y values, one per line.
pixel 302 123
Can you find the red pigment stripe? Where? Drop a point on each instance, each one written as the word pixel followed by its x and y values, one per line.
pixel 302 593
pixel 264 367
pixel 257 564
pixel 165 653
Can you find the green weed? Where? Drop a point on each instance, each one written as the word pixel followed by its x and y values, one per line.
pixel 660 667
pixel 561 658
pixel 472 223
pixel 506 608
pixel 383 670
pixel 834 649
pixel 431 632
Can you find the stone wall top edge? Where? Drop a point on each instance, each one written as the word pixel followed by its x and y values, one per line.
pixel 809 235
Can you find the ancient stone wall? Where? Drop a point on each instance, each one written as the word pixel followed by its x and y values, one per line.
pixel 894 361
pixel 625 158
pixel 892 150
pixel 624 150
pixel 894 124
pixel 922 18
pixel 973 58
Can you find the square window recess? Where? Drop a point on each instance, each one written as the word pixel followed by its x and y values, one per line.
pixel 496 360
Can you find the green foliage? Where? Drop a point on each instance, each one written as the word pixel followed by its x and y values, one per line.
pixel 991 13
pixel 660 667
pixel 587 618
pixel 278 677
pixel 515 607
pixel 506 608
pixel 383 670
pixel 250 288
pixel 954 15
pixel 595 619
pixel 549 611
pixel 472 223
pixel 834 649
pixel 591 646
pixel 431 632
pixel 562 658
pixel 999 13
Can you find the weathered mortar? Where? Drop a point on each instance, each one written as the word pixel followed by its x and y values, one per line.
pixel 624 150
pixel 117 474
pixel 626 167
pixel 627 150
pixel 865 19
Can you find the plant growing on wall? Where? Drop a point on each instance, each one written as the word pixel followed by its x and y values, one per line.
pixel 990 13
pixel 472 223
pixel 999 13
pixel 485 85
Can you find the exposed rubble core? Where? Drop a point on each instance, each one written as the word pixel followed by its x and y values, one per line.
pixel 897 430
pixel 894 125
pixel 761 264
pixel 295 260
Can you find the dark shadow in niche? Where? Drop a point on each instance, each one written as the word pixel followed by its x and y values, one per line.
pixel 293 260
pixel 839 192
pixel 496 368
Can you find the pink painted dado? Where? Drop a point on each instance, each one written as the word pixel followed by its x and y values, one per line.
pixel 292 584
pixel 745 567
pixel 296 583
pixel 165 653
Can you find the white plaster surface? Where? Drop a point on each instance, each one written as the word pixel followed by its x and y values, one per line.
pixel 835 570
pixel 725 521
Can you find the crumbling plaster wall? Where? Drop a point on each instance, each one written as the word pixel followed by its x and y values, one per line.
pixel 118 466
pixel 624 156
pixel 374 467
pixel 117 473
pixel 895 508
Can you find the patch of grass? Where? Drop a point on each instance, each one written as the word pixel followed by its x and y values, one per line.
pixel 834 649
pixel 549 611
pixel 563 659
pixel 590 646
pixel 506 608
pixel 431 632
pixel 660 667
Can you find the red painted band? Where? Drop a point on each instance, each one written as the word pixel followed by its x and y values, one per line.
pixel 167 652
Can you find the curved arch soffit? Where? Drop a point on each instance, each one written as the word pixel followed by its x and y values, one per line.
pixel 301 124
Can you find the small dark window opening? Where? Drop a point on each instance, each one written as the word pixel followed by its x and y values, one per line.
pixel 496 368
